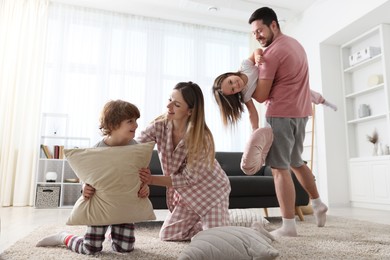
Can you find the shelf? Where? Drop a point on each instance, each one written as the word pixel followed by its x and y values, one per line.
pixel 51 159
pixel 369 175
pixel 367 118
pixel 64 137
pixel 363 64
pixel 71 183
pixel 370 158
pixel 369 34
pixel 48 183
pixel 67 181
pixel 366 91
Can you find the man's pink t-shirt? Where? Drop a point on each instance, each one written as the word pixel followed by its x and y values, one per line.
pixel 285 63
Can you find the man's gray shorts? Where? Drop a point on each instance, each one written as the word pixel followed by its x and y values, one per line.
pixel 287 147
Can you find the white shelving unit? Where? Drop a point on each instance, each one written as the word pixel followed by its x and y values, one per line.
pixel 66 182
pixel 369 174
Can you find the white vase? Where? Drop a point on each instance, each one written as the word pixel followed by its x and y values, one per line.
pixel 375 151
pixel 380 150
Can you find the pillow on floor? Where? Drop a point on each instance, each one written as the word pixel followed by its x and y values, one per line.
pixel 256 150
pixel 245 217
pixel 113 172
pixel 230 243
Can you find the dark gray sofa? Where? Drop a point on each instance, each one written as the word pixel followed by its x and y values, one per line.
pixel 256 191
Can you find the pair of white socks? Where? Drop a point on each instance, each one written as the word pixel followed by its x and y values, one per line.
pixel 288 227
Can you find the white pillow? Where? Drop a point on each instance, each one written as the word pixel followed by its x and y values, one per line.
pixel 245 217
pixel 256 150
pixel 230 243
pixel 113 172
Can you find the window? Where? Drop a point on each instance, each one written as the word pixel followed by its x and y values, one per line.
pixel 95 56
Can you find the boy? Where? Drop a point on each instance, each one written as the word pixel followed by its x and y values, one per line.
pixel 118 123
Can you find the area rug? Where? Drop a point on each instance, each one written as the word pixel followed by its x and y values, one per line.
pixel 341 238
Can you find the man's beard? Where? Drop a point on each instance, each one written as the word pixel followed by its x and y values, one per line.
pixel 268 41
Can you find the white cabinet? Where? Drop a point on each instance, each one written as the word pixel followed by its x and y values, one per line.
pixel 367 109
pixel 370 182
pixel 63 188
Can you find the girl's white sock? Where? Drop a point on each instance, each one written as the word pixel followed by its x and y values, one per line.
pixel 328 104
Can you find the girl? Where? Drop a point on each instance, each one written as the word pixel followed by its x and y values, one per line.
pixel 197 187
pixel 232 89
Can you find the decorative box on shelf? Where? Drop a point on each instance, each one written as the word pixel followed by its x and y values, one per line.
pixel 364 54
pixel 48 196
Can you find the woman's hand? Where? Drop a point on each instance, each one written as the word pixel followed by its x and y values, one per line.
pixel 143 191
pixel 145 175
pixel 88 191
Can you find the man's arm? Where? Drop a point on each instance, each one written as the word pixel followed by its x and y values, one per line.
pixel 262 90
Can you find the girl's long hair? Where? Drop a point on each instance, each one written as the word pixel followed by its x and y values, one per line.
pixel 230 106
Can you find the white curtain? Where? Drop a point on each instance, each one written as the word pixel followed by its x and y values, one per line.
pixel 22 44
pixel 63 62
pixel 94 56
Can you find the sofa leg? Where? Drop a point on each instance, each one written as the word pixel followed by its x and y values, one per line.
pixel 266 212
pixel 298 211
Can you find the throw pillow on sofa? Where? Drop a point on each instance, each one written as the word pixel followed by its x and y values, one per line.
pixel 113 172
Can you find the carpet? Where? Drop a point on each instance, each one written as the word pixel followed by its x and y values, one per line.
pixel 341 238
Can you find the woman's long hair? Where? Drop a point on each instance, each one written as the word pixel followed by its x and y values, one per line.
pixel 198 139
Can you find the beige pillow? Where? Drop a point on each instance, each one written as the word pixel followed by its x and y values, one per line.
pixel 113 172
pixel 231 243
pixel 245 217
pixel 256 150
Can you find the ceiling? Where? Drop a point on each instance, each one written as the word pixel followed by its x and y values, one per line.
pixel 229 14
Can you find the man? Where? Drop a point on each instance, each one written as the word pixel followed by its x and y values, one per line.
pixel 284 83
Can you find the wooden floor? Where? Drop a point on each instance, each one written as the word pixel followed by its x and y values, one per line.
pixel 17 222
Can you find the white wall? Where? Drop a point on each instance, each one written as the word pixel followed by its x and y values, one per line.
pixel 322 20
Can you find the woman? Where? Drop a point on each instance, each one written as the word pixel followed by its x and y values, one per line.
pixel 197 187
